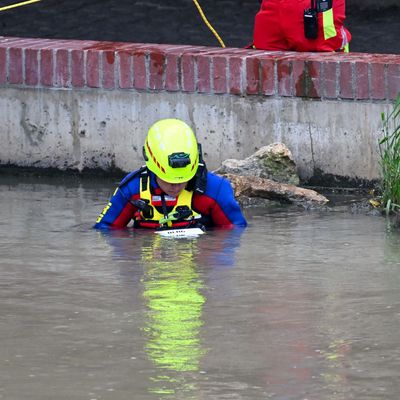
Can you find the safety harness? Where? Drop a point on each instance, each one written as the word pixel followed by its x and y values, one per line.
pixel 160 211
pixel 157 211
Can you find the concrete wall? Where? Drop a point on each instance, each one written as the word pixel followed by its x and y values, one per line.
pixel 84 104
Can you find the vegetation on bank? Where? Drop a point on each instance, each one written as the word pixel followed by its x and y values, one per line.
pixel 389 148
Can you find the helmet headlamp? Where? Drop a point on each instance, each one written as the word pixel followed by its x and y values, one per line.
pixel 178 160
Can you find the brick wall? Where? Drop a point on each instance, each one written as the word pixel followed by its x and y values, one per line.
pixel 206 70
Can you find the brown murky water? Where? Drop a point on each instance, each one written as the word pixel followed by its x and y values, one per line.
pixel 300 305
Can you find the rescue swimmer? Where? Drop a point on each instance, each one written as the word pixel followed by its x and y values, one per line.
pixel 173 189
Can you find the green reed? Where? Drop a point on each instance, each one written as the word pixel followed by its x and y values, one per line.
pixel 389 149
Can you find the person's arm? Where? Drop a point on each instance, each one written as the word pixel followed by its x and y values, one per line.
pixel 219 203
pixel 119 211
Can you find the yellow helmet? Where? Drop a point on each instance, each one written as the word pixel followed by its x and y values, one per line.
pixel 171 151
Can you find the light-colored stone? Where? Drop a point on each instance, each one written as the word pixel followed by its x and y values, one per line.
pixel 274 161
pixel 253 186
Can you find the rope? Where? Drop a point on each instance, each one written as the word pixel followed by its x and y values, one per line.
pixel 207 23
pixel 24 3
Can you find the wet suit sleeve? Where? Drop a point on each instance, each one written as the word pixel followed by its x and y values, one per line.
pixel 119 211
pixel 219 203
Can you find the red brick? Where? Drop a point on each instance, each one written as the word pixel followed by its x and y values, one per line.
pixel 172 69
pixel 309 81
pixel 219 74
pixel 15 66
pixel 252 75
pixel 164 48
pixel 139 69
pixel 88 44
pixel 61 77
pixel 103 46
pixel 204 74
pixel 3 65
pixel 393 80
pixel 314 86
pixel 267 76
pixel 361 80
pixel 31 67
pixel 346 80
pixel 330 82
pixel 188 72
pixel 93 68
pixel 125 69
pixel 15 43
pixel 78 68
pixel 7 42
pixel 284 75
pixel 173 66
pixel 108 64
pixel 46 67
pixel 378 91
pixel 236 67
pixel 157 66
pixel 299 78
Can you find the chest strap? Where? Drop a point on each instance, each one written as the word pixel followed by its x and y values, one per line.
pixel 181 214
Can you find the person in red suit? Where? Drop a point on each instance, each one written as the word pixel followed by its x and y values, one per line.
pixel 301 25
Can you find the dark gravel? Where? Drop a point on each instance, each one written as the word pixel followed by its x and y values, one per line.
pixel 176 22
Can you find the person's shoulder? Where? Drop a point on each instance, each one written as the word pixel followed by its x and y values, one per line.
pixel 214 178
pixel 133 176
pixel 217 185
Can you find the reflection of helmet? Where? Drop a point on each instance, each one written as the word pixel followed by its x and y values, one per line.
pixel 171 151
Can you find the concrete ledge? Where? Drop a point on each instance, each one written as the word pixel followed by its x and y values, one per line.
pixel 88 104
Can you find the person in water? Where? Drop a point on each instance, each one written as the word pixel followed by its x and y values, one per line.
pixel 174 188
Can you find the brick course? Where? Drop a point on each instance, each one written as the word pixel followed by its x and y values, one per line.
pixel 207 70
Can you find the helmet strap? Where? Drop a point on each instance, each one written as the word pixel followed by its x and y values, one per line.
pixel 144 154
pixel 164 205
pixel 199 182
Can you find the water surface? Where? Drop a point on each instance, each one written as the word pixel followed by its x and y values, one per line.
pixel 300 305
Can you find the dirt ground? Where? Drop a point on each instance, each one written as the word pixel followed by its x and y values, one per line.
pixel 176 22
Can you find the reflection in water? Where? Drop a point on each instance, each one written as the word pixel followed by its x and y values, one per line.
pixel 172 286
pixel 335 360
pixel 172 280
pixel 311 309
pixel 172 290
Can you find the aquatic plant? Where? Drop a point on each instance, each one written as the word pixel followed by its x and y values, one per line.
pixel 389 149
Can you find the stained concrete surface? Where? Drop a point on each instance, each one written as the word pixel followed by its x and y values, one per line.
pixel 177 22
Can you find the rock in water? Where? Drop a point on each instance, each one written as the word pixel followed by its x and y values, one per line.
pixel 274 161
pixel 253 186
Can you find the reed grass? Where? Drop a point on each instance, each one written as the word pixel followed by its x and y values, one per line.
pixel 389 149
